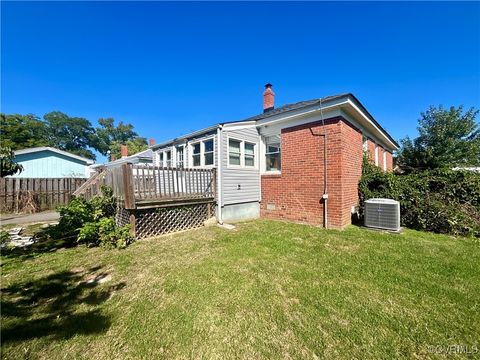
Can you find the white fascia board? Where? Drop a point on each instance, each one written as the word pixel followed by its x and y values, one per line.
pixel 315 110
pixel 300 112
pixel 372 124
pixel 239 125
pixel 184 138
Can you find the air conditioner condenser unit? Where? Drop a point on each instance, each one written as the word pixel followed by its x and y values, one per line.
pixel 382 214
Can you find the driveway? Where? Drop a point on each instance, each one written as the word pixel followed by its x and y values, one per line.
pixel 45 216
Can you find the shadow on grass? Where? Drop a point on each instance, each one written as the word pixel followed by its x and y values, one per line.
pixel 60 305
pixel 43 243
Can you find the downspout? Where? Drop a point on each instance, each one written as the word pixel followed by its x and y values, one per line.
pixel 325 181
pixel 219 175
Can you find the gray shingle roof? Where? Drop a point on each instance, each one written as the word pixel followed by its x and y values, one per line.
pixel 286 108
pixel 293 106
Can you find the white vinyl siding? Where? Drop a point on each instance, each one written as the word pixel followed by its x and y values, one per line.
pixel 240 183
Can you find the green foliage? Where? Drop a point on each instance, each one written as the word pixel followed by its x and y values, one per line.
pixel 110 137
pixel 22 131
pixel 134 146
pixel 442 201
pixel 447 138
pixel 72 134
pixel 92 222
pixel 109 134
pixel 8 166
pixel 4 237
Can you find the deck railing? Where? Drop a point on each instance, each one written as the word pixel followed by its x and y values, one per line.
pixel 167 183
pixel 138 184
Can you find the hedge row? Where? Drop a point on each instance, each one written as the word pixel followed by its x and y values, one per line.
pixel 442 201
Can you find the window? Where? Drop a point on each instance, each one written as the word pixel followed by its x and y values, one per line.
pixel 168 158
pixel 234 153
pixel 249 156
pixel 180 156
pixel 241 153
pixel 365 143
pixel 384 160
pixel 196 154
pixel 208 152
pixel 272 153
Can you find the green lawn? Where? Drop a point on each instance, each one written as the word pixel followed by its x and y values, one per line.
pixel 264 290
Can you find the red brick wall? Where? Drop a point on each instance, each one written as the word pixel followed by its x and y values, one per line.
pixel 351 170
pixel 371 150
pixel 297 193
pixel 380 157
pixel 389 161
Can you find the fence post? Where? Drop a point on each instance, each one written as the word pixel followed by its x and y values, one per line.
pixel 128 186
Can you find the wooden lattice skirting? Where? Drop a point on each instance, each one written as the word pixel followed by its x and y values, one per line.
pixel 164 220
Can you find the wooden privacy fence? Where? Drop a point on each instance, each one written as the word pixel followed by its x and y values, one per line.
pixel 36 194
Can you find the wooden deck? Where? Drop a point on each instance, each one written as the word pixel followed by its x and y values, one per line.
pixel 146 186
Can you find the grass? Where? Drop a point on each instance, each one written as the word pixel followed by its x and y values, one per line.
pixel 264 290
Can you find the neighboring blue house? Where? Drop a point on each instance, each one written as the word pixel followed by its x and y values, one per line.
pixel 48 162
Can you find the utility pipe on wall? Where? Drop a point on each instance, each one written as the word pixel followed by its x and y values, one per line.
pixel 219 174
pixel 325 181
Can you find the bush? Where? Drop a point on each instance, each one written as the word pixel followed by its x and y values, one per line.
pixel 442 201
pixel 91 222
pixel 4 237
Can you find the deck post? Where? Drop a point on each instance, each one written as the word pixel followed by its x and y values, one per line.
pixel 128 190
pixel 132 222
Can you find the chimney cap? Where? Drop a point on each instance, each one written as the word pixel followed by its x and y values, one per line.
pixel 268 85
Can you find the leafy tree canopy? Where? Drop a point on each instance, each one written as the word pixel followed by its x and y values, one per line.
pixel 134 146
pixel 447 138
pixel 110 136
pixel 72 134
pixel 22 131
pixel 8 166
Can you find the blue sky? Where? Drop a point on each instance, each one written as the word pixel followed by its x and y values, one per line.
pixel 169 68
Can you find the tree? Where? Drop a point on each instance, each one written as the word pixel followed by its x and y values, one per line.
pixel 134 146
pixel 110 136
pixel 447 138
pixel 22 131
pixel 8 166
pixel 72 134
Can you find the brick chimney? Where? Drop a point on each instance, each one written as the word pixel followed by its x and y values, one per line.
pixel 151 142
pixel 123 151
pixel 268 98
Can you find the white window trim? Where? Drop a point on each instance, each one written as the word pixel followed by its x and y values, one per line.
pixel 202 153
pixel 376 154
pixel 263 166
pixel 242 154
pixel 384 160
pixel 176 147
pixel 364 142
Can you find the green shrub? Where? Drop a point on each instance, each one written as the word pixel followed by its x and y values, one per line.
pixel 4 237
pixel 91 222
pixel 442 201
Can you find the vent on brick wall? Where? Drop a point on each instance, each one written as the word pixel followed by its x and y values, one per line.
pixel 382 214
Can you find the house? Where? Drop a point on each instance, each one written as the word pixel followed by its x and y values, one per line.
pixel 299 162
pixel 143 157
pixel 49 162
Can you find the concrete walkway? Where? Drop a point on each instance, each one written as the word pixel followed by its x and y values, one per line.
pixel 41 217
